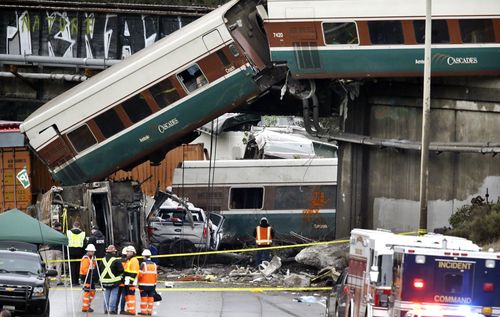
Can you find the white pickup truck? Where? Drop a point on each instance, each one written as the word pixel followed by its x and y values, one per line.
pixel 177 226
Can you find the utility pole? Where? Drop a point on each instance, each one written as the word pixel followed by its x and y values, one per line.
pixel 426 110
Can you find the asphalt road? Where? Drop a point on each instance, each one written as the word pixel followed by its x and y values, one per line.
pixel 207 304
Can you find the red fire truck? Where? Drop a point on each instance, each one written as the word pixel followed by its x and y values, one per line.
pixel 433 275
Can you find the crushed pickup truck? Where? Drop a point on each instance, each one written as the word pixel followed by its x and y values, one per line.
pixel 177 226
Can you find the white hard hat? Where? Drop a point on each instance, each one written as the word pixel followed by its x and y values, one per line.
pixel 90 247
pixel 146 252
pixel 124 251
pixel 131 248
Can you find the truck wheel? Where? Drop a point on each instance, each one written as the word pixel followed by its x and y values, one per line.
pixel 46 313
pixel 182 246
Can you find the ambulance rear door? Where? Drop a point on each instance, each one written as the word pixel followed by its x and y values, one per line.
pixel 454 281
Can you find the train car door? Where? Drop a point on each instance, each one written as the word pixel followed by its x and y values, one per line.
pixel 247 30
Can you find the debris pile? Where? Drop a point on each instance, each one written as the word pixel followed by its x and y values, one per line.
pixel 324 255
pixel 318 265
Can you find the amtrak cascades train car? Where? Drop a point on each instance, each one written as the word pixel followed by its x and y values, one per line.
pixel 383 38
pixel 154 100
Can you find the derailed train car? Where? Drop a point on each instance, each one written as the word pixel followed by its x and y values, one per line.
pixel 152 101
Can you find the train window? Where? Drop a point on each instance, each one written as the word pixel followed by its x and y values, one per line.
pixel 440 34
pixel 234 50
pixel 246 198
pixel 477 31
pixel 164 93
pixel 192 78
pixel 82 138
pixel 386 32
pixel 109 123
pixel 340 33
pixel 136 108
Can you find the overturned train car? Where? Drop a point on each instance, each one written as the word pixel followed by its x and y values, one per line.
pixel 151 102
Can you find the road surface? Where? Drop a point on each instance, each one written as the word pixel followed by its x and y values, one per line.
pixel 180 303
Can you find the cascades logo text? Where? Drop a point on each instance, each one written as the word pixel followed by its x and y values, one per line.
pixel 461 60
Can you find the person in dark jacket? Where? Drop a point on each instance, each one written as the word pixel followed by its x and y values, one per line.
pixel 263 234
pixel 99 241
pixel 111 278
pixel 76 240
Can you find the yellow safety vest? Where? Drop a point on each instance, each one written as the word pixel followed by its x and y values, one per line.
pixel 132 268
pixel 75 240
pixel 107 276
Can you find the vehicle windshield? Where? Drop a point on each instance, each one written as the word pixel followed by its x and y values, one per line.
pixel 170 214
pixel 11 262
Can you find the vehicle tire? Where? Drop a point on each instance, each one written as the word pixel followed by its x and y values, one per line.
pixel 182 246
pixel 46 313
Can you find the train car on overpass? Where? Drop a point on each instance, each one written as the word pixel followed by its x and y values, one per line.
pixel 383 38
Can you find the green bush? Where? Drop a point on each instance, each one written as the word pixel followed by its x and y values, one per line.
pixel 479 222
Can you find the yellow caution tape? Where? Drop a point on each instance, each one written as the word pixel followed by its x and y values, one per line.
pixel 172 255
pixel 229 289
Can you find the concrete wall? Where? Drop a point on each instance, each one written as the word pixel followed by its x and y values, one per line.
pixel 379 187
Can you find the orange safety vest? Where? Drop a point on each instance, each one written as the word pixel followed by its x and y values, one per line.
pixel 85 265
pixel 263 237
pixel 148 275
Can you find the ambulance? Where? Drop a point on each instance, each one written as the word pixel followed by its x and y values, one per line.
pixel 434 275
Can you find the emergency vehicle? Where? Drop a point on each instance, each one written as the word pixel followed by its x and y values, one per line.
pixel 434 275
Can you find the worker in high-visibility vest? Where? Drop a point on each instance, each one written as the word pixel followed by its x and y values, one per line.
pixel 131 271
pixel 89 275
pixel 263 234
pixel 148 277
pixel 76 240
pixel 111 277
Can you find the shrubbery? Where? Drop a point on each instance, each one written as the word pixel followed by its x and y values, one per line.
pixel 479 222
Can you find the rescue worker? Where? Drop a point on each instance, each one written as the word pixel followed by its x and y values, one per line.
pixel 76 239
pixel 121 287
pixel 148 276
pixel 263 234
pixel 111 278
pixel 130 274
pixel 98 240
pixel 89 275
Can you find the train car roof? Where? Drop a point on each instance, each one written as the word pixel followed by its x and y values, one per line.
pixel 241 173
pixel 87 89
pixel 359 9
pixel 262 163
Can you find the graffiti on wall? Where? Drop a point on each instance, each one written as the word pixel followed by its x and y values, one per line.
pixel 82 35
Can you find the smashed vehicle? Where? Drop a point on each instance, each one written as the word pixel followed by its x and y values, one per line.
pixel 177 226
